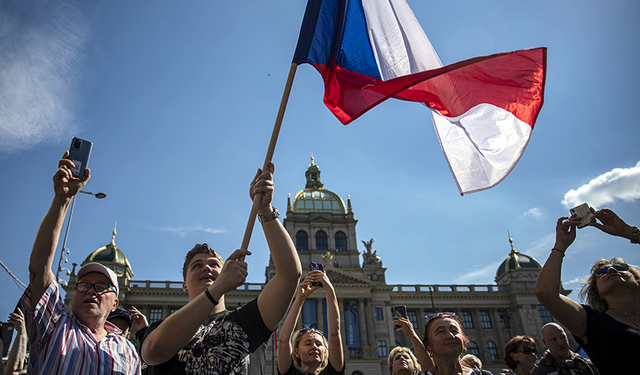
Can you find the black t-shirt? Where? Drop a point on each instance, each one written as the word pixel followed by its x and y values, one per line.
pixel 611 345
pixel 221 346
pixel 329 370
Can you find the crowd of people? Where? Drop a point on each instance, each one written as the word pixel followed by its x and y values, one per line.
pixel 203 337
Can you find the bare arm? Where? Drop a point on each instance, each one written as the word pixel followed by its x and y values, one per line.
pixel 336 354
pixel 15 361
pixel 425 360
pixel 175 332
pixel 571 314
pixel 44 248
pixel 285 352
pixel 277 294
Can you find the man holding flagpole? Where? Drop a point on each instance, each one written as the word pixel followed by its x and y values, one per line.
pixel 205 338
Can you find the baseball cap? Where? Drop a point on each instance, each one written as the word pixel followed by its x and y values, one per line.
pixel 119 312
pixel 97 267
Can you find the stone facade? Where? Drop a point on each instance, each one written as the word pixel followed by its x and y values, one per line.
pixel 324 230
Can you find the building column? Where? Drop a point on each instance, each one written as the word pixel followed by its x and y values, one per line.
pixel 362 324
pixel 496 318
pixel 482 345
pixel 320 314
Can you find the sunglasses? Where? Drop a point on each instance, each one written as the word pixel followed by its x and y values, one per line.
pixel 305 329
pixel 428 317
pixel 98 287
pixel 527 350
pixel 600 271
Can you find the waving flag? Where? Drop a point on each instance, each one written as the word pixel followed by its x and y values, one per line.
pixel 483 109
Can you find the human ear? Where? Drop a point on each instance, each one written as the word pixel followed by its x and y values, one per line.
pixel 184 287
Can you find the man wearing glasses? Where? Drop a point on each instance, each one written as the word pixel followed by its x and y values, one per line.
pixel 559 359
pixel 82 341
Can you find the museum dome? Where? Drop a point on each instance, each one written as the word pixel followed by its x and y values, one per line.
pixel 517 261
pixel 314 198
pixel 109 254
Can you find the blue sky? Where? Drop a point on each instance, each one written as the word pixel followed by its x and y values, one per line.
pixel 180 98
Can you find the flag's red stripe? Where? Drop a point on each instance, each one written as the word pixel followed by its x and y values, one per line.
pixel 513 81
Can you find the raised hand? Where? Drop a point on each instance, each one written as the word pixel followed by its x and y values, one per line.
pixel 566 231
pixel 611 223
pixel 234 272
pixel 138 320
pixel 64 184
pixel 263 183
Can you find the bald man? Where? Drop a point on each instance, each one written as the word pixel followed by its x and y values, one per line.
pixel 559 359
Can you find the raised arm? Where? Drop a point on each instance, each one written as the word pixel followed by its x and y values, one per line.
pixel 336 354
pixel 15 361
pixel 285 351
pixel 277 294
pixel 175 332
pixel 614 225
pixel 65 187
pixel 569 313
pixel 425 360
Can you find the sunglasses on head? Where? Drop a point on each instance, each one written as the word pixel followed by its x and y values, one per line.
pixel 526 350
pixel 305 329
pixel 428 317
pixel 600 271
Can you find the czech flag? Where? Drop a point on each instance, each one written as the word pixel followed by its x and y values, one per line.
pixel 483 109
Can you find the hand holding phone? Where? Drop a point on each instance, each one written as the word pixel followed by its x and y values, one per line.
pixel 583 211
pixel 79 152
pixel 399 311
pixel 317 266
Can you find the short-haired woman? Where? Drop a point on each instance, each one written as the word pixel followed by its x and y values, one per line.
pixel 520 355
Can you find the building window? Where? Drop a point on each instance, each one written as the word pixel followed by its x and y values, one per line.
pixel 472 348
pixel 382 348
pixel 378 313
pixel 155 314
pixel 485 319
pixel 467 322
pixel 545 315
pixel 413 318
pixel 321 241
pixel 341 241
pixel 302 241
pixel 493 350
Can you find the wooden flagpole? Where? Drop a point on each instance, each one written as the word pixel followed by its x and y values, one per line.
pixel 272 146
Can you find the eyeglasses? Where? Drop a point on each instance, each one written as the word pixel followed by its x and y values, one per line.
pixel 428 317
pixel 527 350
pixel 98 287
pixel 600 271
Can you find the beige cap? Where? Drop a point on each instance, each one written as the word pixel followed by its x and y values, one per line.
pixel 97 267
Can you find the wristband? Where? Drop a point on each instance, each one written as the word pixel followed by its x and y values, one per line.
pixel 213 300
pixel 272 216
pixel 561 252
pixel 635 235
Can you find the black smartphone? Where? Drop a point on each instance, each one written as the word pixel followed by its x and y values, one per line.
pixel 399 311
pixel 79 152
pixel 317 266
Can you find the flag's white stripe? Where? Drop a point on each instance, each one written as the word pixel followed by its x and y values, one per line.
pixel 482 146
pixel 399 44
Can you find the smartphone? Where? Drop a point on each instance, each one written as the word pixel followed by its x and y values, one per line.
pixel 399 311
pixel 317 266
pixel 584 212
pixel 79 152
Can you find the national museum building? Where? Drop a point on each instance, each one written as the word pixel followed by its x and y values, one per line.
pixel 324 230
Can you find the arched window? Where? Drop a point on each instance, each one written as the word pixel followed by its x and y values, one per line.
pixel 493 350
pixel 322 244
pixel 302 241
pixel 472 348
pixel 341 241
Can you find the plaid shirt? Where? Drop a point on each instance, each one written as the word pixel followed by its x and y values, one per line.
pixel 60 344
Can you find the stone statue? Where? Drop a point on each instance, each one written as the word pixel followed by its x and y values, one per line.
pixel 370 258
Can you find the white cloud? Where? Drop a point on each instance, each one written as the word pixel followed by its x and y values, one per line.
pixel 483 275
pixel 41 56
pixel 534 212
pixel 618 184
pixel 187 230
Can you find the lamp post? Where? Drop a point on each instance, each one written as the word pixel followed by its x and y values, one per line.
pixel 64 242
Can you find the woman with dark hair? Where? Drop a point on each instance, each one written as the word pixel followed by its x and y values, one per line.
pixel 310 353
pixel 520 355
pixel 446 343
pixel 608 328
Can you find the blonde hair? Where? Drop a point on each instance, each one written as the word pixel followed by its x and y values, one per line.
pixel 589 292
pixel 401 349
pixel 297 338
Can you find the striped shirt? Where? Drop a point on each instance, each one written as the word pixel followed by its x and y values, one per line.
pixel 60 344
